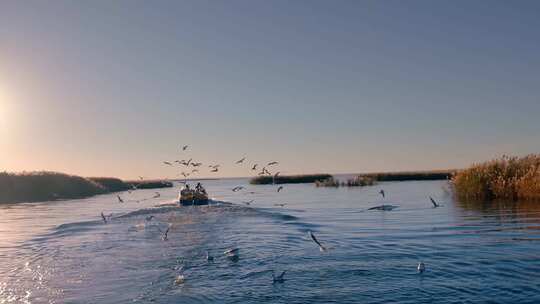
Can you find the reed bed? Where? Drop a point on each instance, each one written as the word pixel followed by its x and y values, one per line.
pixel 48 186
pixel 410 176
pixel 506 178
pixel 45 186
pixel 359 181
pixel 289 179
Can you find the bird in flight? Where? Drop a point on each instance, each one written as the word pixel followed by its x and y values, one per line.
pixel 214 170
pixel 184 147
pixel 156 195
pixel 249 202
pixel 194 171
pixel 149 218
pixel 120 200
pixel 241 160
pixel 381 193
pixel 238 188
pixel 280 278
pixel 167 163
pixel 279 188
pixel 272 163
pixel 254 167
pixel 321 247
pixel 165 234
pixel 196 164
pixel 435 205
pixel 104 218
pixel 280 205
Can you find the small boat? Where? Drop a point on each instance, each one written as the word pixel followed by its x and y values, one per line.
pixel 188 197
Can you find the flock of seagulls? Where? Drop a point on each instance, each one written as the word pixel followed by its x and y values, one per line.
pixel 233 254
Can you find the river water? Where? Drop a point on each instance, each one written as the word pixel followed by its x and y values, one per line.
pixel 63 252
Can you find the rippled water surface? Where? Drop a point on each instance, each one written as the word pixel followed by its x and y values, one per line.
pixel 62 252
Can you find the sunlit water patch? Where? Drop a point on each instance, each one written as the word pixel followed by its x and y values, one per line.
pixel 63 252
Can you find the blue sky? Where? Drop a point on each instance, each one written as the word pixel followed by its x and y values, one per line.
pixel 113 88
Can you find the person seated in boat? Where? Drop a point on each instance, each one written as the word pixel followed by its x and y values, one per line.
pixel 200 188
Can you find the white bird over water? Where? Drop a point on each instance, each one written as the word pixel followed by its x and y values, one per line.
pixel 184 147
pixel 254 167
pixel 279 188
pixel 382 193
pixel 104 218
pixel 321 247
pixel 232 254
pixel 120 200
pixel 421 267
pixel 249 202
pixel 280 278
pixel 435 205
pixel 165 237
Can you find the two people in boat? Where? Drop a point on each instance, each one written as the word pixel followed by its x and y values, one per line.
pixel 198 188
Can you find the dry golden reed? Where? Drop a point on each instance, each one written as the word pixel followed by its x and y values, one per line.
pixel 507 178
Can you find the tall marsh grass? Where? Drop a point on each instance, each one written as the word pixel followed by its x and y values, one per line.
pixel 48 186
pixel 506 178
pixel 45 186
pixel 359 181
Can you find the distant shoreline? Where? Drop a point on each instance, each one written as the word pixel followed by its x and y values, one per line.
pixel 51 186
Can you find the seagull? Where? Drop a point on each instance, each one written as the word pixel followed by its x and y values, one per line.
pixel 279 279
pixel 279 188
pixel 120 200
pixel 180 279
pixel 167 163
pixel 184 147
pixel 149 218
pixel 272 163
pixel 156 195
pixel 164 237
pixel 381 193
pixel 141 178
pixel 384 207
pixel 254 167
pixel 196 164
pixel 194 171
pixel 214 170
pixel 213 166
pixel 104 218
pixel 435 205
pixel 209 258
pixel 241 160
pixel 232 254
pixel 249 202
pixel 280 205
pixel 185 174
pixel 421 267
pixel 188 162
pixel 321 247
pixel 236 189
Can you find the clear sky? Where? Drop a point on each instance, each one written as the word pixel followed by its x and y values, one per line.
pixel 113 88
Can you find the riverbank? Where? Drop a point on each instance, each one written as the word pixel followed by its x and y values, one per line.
pixel 48 186
pixel 410 175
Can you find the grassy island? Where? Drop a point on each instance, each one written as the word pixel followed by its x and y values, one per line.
pixel 410 176
pixel 289 179
pixel 506 178
pixel 47 186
